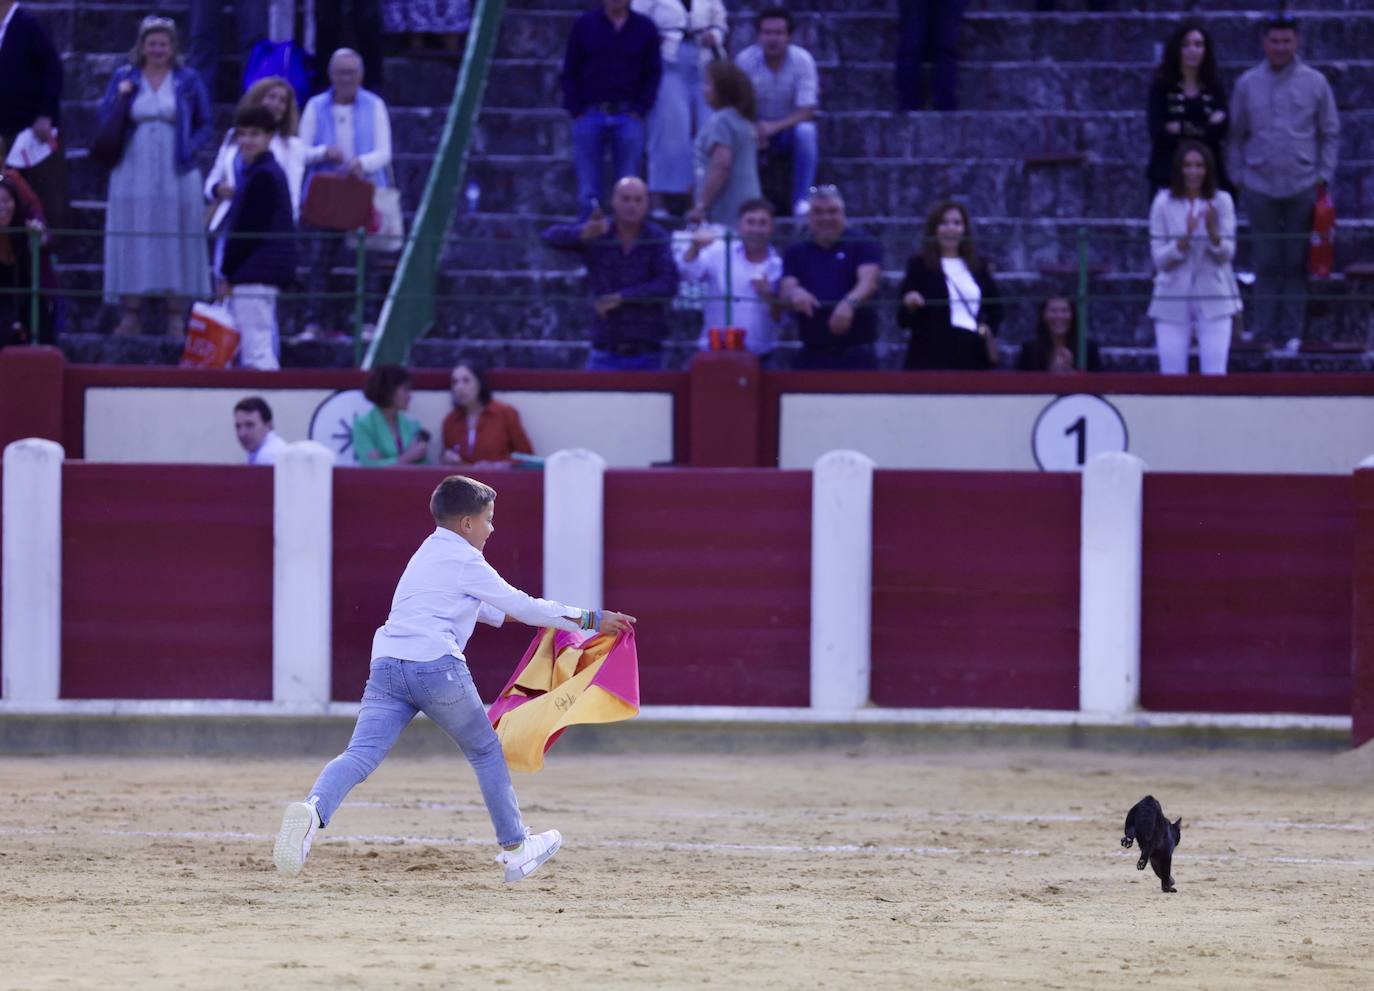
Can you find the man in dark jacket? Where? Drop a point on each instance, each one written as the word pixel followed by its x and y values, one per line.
pixel 611 71
pixel 30 75
pixel 254 269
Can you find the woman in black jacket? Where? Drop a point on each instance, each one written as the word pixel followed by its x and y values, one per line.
pixel 949 299
pixel 1187 102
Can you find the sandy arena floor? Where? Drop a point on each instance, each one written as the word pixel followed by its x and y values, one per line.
pixel 968 870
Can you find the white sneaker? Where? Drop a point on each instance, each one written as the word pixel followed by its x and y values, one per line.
pixel 298 825
pixel 537 848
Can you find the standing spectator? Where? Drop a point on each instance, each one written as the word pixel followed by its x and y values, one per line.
pixel 1055 345
pixel 632 277
pixel 30 75
pixel 1192 240
pixel 787 89
pixel 1187 103
pixel 250 27
pixel 344 129
pixel 727 161
pixel 16 270
pixel 255 269
pixel 253 428
pixel 385 434
pixel 365 19
pixel 276 94
pixel 928 32
pixel 611 73
pixel 949 298
pixel 746 271
pixel 693 34
pixel 154 218
pixel 423 20
pixel 1284 141
pixel 480 431
pixel 826 282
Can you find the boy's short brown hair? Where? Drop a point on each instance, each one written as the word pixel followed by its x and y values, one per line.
pixel 458 496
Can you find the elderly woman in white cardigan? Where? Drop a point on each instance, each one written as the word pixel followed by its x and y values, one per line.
pixel 1192 240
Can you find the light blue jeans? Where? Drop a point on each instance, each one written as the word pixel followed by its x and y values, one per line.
pixel 590 134
pixel 679 111
pixel 799 144
pixel 443 691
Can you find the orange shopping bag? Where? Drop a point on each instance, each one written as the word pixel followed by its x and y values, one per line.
pixel 211 339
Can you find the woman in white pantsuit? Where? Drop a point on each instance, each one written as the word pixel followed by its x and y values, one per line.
pixel 1192 241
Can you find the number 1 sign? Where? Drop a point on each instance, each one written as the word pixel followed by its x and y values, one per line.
pixel 1072 429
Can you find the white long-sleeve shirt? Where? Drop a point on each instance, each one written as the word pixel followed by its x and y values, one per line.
pixel 747 309
pixel 290 155
pixel 448 587
pixel 374 161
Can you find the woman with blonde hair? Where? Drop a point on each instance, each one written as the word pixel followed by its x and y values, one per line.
pixel 276 94
pixel 154 219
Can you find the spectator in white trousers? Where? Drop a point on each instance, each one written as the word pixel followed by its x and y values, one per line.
pixel 1192 241
pixel 693 35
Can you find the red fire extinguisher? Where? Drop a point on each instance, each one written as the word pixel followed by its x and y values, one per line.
pixel 1321 257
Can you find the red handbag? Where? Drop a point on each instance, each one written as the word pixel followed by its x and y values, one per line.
pixel 337 202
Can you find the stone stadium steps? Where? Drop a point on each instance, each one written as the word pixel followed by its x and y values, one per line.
pixel 1063 90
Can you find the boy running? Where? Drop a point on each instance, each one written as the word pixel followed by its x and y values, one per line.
pixel 418 666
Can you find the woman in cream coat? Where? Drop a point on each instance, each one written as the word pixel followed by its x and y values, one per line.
pixel 1192 240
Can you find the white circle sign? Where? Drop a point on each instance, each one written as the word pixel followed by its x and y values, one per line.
pixel 1073 428
pixel 332 424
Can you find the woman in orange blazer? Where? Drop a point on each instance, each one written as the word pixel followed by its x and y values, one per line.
pixel 480 430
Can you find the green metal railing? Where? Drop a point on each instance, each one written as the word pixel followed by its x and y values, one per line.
pixel 417 296
pixel 409 308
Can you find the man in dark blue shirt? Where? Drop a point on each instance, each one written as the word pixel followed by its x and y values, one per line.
pixel 826 282
pixel 610 79
pixel 632 277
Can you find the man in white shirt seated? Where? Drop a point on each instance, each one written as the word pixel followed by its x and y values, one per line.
pixel 253 426
pixel 787 88
pixel 750 267
pixel 345 129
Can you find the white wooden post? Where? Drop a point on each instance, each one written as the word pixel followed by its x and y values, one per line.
pixel 841 579
pixel 1109 583
pixel 574 527
pixel 32 571
pixel 302 573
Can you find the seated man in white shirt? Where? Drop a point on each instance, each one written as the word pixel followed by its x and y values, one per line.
pixel 750 267
pixel 787 88
pixel 345 129
pixel 253 425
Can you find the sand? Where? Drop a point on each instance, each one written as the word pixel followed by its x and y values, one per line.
pixel 952 870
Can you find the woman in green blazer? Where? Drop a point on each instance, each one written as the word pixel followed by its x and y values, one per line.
pixel 385 435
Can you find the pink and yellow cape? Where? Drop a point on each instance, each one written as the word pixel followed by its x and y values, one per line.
pixel 564 679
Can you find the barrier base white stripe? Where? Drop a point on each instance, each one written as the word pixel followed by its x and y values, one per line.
pixel 731 714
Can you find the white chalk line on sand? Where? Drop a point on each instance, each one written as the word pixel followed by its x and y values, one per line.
pixel 698 847
pixel 901 815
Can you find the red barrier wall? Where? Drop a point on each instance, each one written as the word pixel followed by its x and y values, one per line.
pixel 716 565
pixel 1362 622
pixel 380 518
pixel 1247 593
pixel 166 582
pixel 975 589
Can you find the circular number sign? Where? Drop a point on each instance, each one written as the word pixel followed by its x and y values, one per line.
pixel 1072 429
pixel 332 424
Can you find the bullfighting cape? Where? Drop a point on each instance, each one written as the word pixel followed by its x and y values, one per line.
pixel 564 679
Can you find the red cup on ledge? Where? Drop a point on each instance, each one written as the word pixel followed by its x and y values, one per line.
pixel 734 338
pixel 717 339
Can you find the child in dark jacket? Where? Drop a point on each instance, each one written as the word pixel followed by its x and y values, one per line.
pixel 254 269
